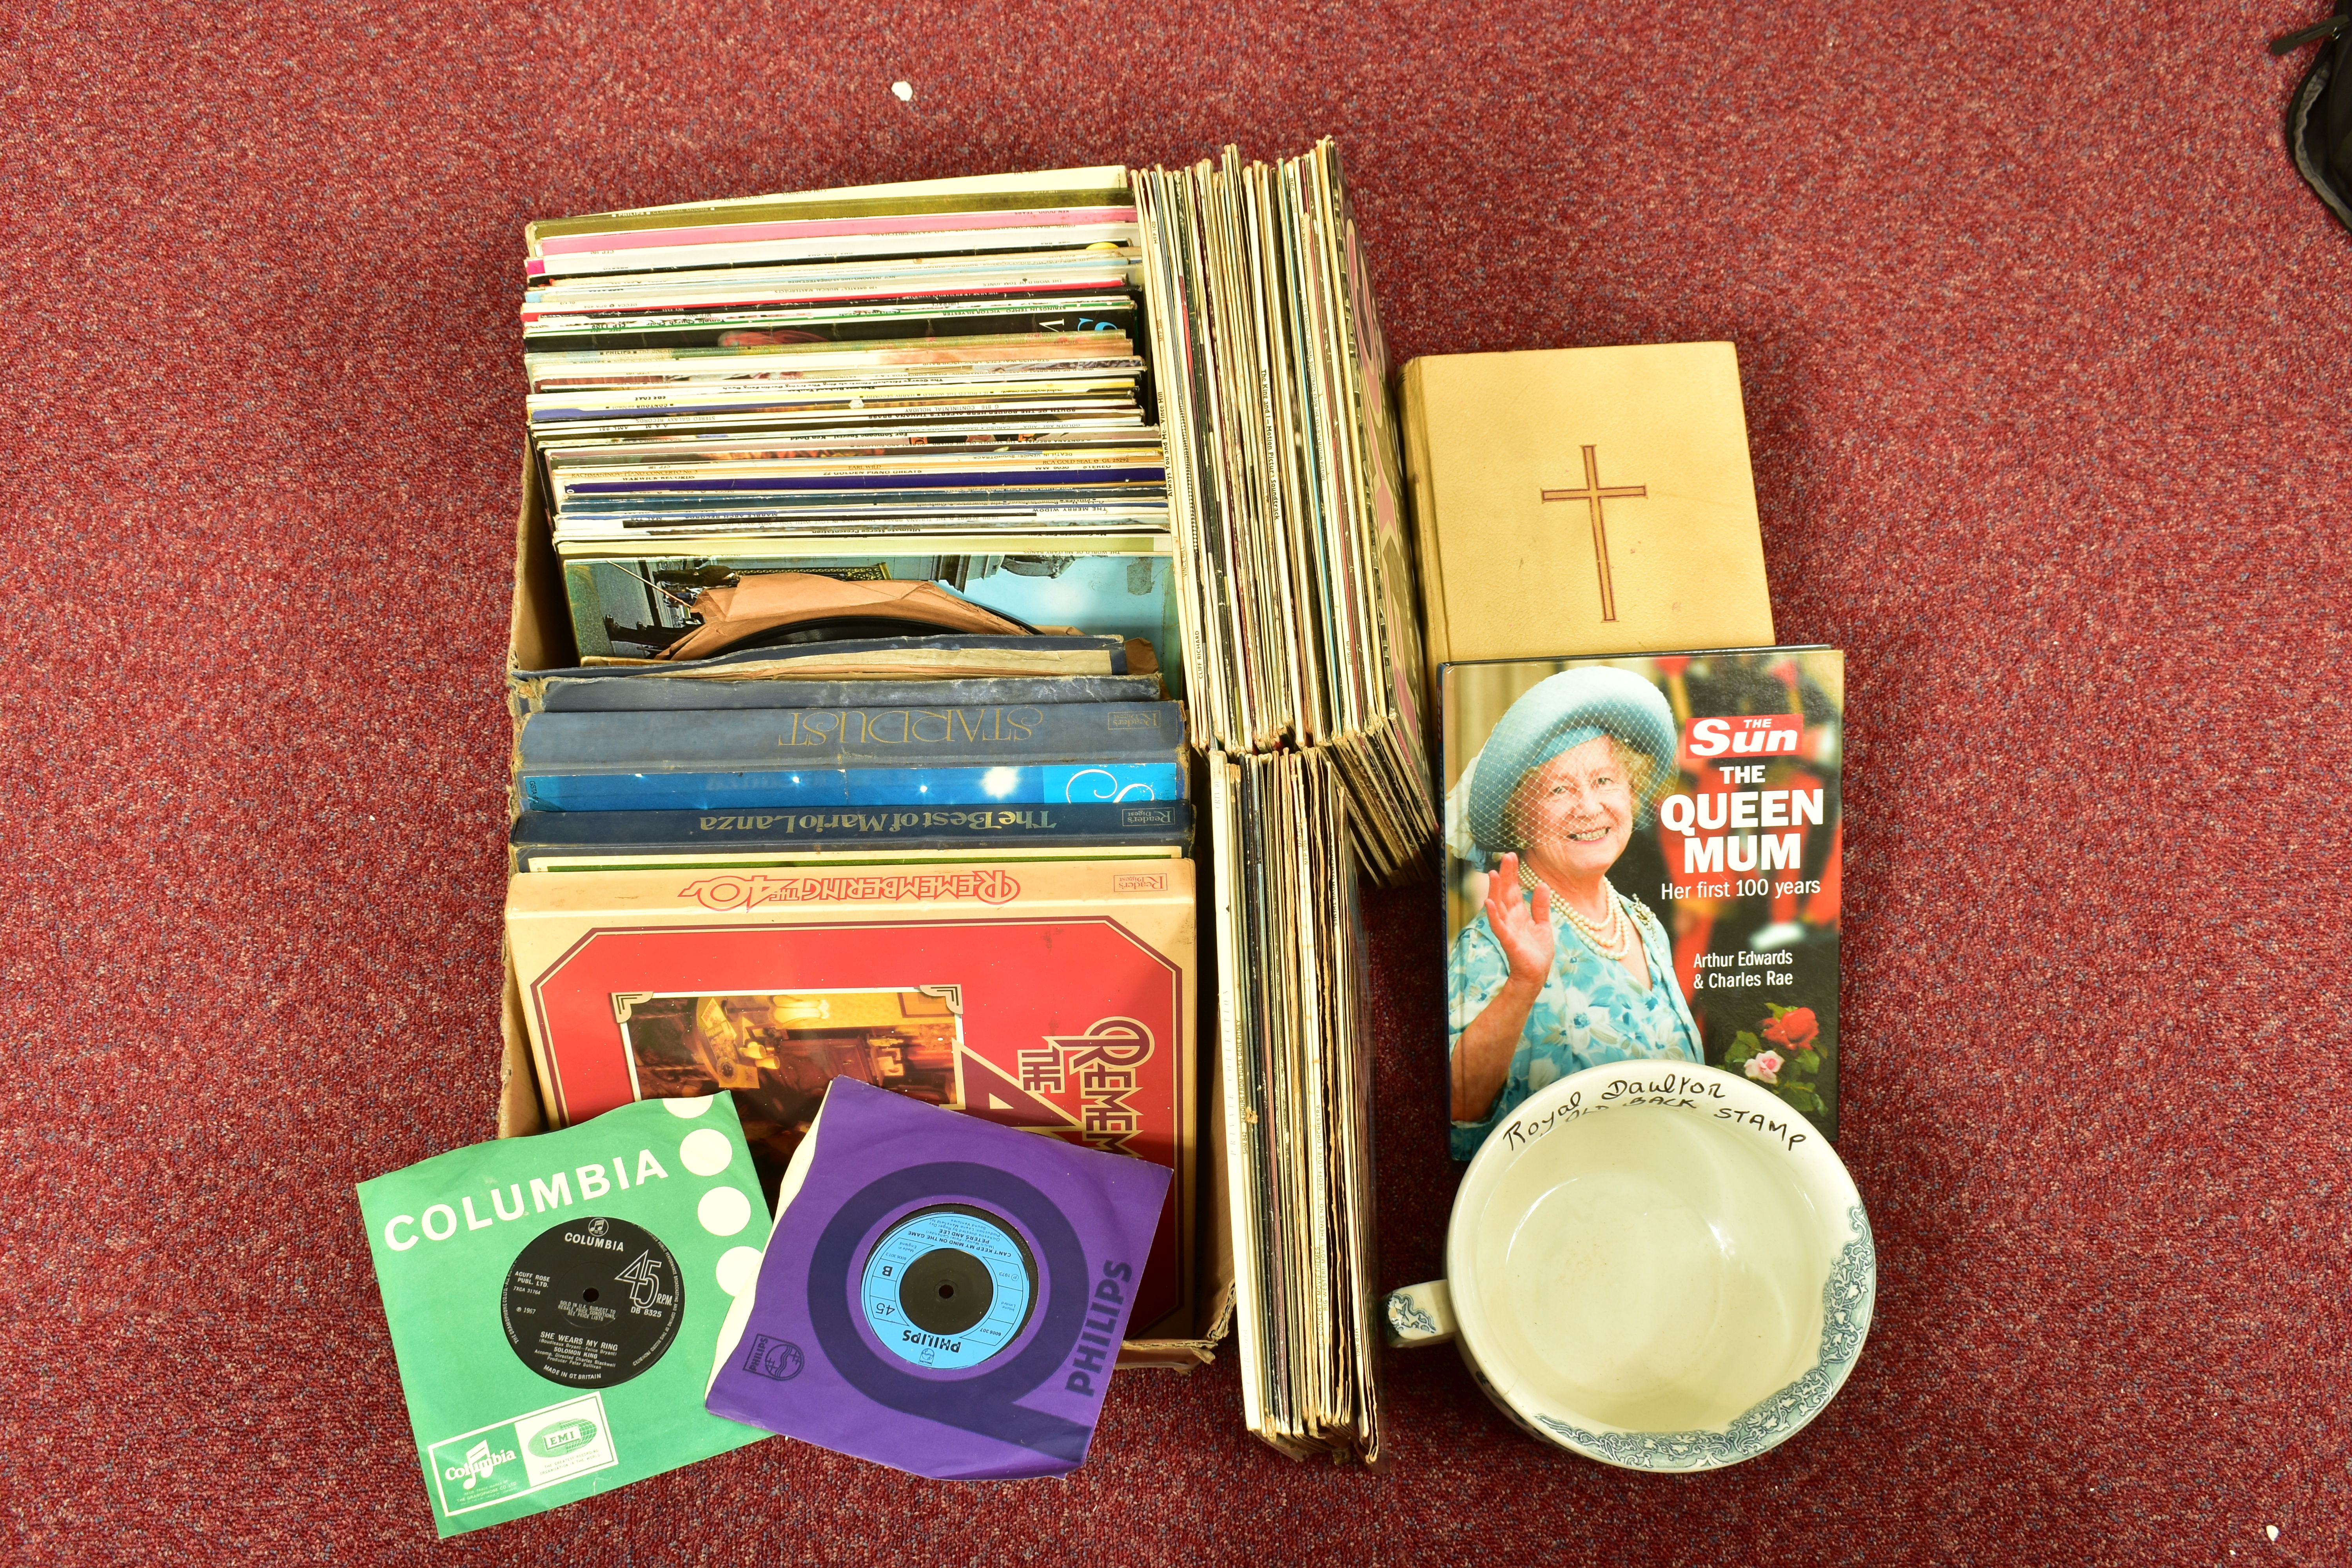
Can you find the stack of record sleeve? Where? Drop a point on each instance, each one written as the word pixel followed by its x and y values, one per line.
pixel 1287 484
pixel 765 426
pixel 857 362
pixel 1303 657
pixel 1290 965
pixel 940 380
pixel 863 527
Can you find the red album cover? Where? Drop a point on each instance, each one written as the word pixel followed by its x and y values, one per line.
pixel 1055 997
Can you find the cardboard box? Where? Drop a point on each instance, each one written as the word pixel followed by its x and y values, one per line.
pixel 540 638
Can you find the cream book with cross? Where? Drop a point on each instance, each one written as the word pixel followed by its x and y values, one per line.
pixel 1594 500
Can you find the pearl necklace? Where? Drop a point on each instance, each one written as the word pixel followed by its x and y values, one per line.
pixel 1611 936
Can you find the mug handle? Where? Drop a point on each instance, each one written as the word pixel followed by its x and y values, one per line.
pixel 1418 1315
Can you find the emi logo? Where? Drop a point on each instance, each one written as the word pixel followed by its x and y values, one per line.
pixel 779 1360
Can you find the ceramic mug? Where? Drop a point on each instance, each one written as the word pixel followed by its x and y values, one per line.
pixel 1658 1266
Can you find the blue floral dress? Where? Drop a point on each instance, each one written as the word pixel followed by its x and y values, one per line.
pixel 1589 1012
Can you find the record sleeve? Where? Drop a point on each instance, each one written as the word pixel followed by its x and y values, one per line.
pixel 940 1294
pixel 637 608
pixel 574 841
pixel 555 1304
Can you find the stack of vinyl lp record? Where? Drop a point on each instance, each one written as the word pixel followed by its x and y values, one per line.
pixel 938 381
pixel 1286 484
pixel 1292 1030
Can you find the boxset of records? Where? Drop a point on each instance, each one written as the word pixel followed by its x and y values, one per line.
pixel 914 585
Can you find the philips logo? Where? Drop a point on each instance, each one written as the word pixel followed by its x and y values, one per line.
pixel 778 1360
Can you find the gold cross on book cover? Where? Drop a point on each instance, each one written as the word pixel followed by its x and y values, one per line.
pixel 1593 495
pixel 1583 502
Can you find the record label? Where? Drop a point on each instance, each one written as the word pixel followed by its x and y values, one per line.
pixel 592 1302
pixel 949 1287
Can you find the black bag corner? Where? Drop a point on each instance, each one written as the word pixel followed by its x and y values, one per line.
pixel 2319 115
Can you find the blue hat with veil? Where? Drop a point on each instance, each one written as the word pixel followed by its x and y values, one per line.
pixel 1558 714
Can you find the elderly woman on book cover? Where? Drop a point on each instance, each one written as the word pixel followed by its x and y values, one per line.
pixel 1561 971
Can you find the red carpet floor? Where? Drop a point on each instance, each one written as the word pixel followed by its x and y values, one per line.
pixel 2047 358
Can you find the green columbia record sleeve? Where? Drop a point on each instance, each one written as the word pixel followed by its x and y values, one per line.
pixel 555 1302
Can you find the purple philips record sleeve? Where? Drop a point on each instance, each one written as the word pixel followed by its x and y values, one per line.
pixel 811 1364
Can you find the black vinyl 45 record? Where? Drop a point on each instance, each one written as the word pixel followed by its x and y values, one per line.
pixel 592 1302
